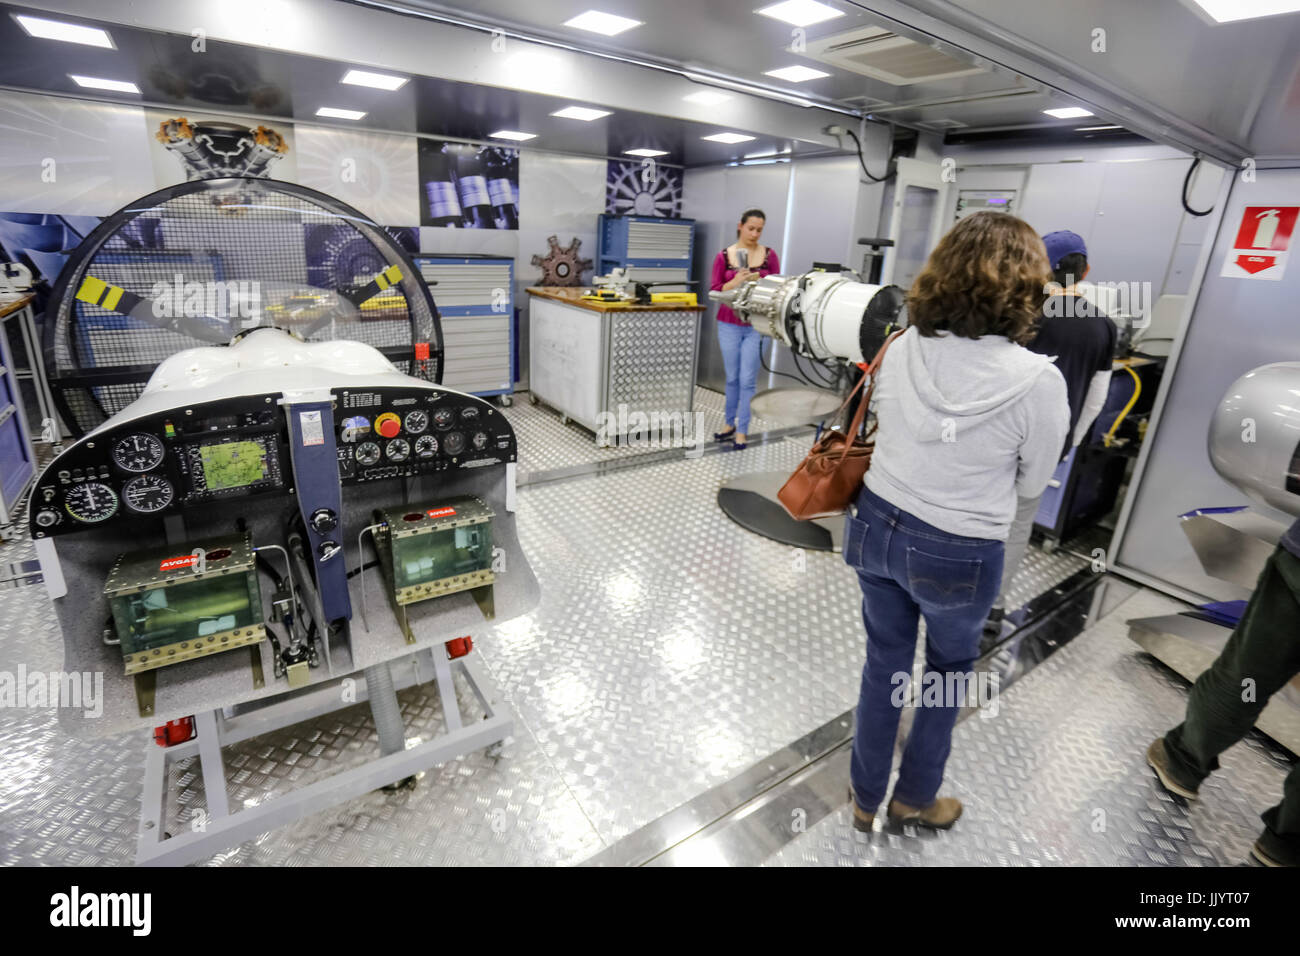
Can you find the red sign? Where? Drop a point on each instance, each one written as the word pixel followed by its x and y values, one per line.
pixel 1256 264
pixel 1266 227
pixel 185 561
pixel 440 512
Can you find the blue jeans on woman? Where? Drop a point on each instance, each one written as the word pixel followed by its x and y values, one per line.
pixel 740 345
pixel 907 569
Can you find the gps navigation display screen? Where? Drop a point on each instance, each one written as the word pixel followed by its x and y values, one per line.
pixel 233 464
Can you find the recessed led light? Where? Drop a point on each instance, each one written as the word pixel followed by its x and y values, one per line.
pixel 67 32
pixel 334 113
pixel 584 113
pixel 1068 112
pixel 645 152
pixel 795 74
pixel 707 97
pixel 728 138
pixel 604 23
pixel 511 134
pixel 380 81
pixel 1088 129
pixel 1226 11
pixel 802 13
pixel 95 83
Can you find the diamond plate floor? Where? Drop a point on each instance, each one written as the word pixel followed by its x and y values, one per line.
pixel 672 649
pixel 638 682
pixel 546 444
pixel 1059 776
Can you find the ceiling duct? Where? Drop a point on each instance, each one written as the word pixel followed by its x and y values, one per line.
pixel 875 52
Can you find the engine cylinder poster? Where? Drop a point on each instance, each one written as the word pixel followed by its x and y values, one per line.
pixel 186 145
pixel 1262 243
pixel 463 186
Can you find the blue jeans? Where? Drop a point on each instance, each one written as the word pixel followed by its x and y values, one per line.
pixel 906 569
pixel 740 344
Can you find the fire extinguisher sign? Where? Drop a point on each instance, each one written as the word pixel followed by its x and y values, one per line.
pixel 1262 243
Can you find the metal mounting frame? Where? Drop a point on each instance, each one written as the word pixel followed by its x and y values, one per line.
pixel 222 828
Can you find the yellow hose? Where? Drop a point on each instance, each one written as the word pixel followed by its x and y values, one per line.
pixel 1137 390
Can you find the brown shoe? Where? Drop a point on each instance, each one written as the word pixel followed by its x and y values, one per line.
pixel 1158 758
pixel 861 819
pixel 940 815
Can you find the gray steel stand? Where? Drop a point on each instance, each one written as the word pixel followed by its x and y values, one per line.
pixel 220 828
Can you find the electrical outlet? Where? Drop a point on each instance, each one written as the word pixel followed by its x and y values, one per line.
pixel 834 131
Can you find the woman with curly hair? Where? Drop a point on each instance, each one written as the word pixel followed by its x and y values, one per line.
pixel 969 419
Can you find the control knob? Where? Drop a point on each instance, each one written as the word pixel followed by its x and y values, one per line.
pixel 324 520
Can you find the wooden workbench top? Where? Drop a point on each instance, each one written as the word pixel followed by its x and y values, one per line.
pixel 10 306
pixel 573 296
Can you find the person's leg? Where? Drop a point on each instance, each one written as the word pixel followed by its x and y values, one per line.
pixel 729 342
pixel 954 584
pixel 1022 527
pixel 890 618
pixel 1261 656
pixel 1280 840
pixel 750 344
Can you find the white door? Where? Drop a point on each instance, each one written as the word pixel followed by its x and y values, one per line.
pixel 916 222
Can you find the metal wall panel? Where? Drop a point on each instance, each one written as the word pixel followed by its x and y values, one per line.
pixel 1236 325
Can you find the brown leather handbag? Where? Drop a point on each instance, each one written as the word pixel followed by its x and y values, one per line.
pixel 828 480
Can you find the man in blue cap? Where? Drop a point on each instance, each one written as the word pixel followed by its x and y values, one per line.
pixel 1080 338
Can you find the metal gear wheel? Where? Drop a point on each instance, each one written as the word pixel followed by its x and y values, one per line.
pixel 562 265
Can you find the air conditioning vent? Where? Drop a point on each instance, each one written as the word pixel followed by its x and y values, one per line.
pixel 874 52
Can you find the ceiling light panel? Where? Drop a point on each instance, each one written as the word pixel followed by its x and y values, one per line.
pixel 796 74
pixel 606 24
pixel 67 32
pixel 584 113
pixel 97 83
pixel 378 81
pixel 801 13
pixel 333 112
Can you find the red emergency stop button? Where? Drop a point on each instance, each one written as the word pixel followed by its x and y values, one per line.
pixel 388 425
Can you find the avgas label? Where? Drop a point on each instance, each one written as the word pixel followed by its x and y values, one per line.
pixel 440 512
pixel 175 564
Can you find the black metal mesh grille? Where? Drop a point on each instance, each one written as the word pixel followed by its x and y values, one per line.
pixel 215 258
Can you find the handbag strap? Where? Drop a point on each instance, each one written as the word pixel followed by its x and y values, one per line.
pixel 860 414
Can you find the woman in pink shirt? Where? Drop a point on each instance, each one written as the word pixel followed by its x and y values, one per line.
pixel 743 260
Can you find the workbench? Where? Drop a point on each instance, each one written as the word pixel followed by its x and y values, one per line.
pixel 587 357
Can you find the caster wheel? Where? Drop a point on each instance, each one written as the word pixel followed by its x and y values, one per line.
pixel 506 401
pixel 1049 545
pixel 495 751
pixel 564 419
pixel 533 399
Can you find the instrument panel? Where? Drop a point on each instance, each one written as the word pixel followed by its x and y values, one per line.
pixel 161 464
pixel 222 451
pixel 397 432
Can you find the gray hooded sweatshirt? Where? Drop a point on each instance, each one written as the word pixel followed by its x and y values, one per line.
pixel 965 427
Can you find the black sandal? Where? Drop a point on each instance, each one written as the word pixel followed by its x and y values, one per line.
pixel 725 436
